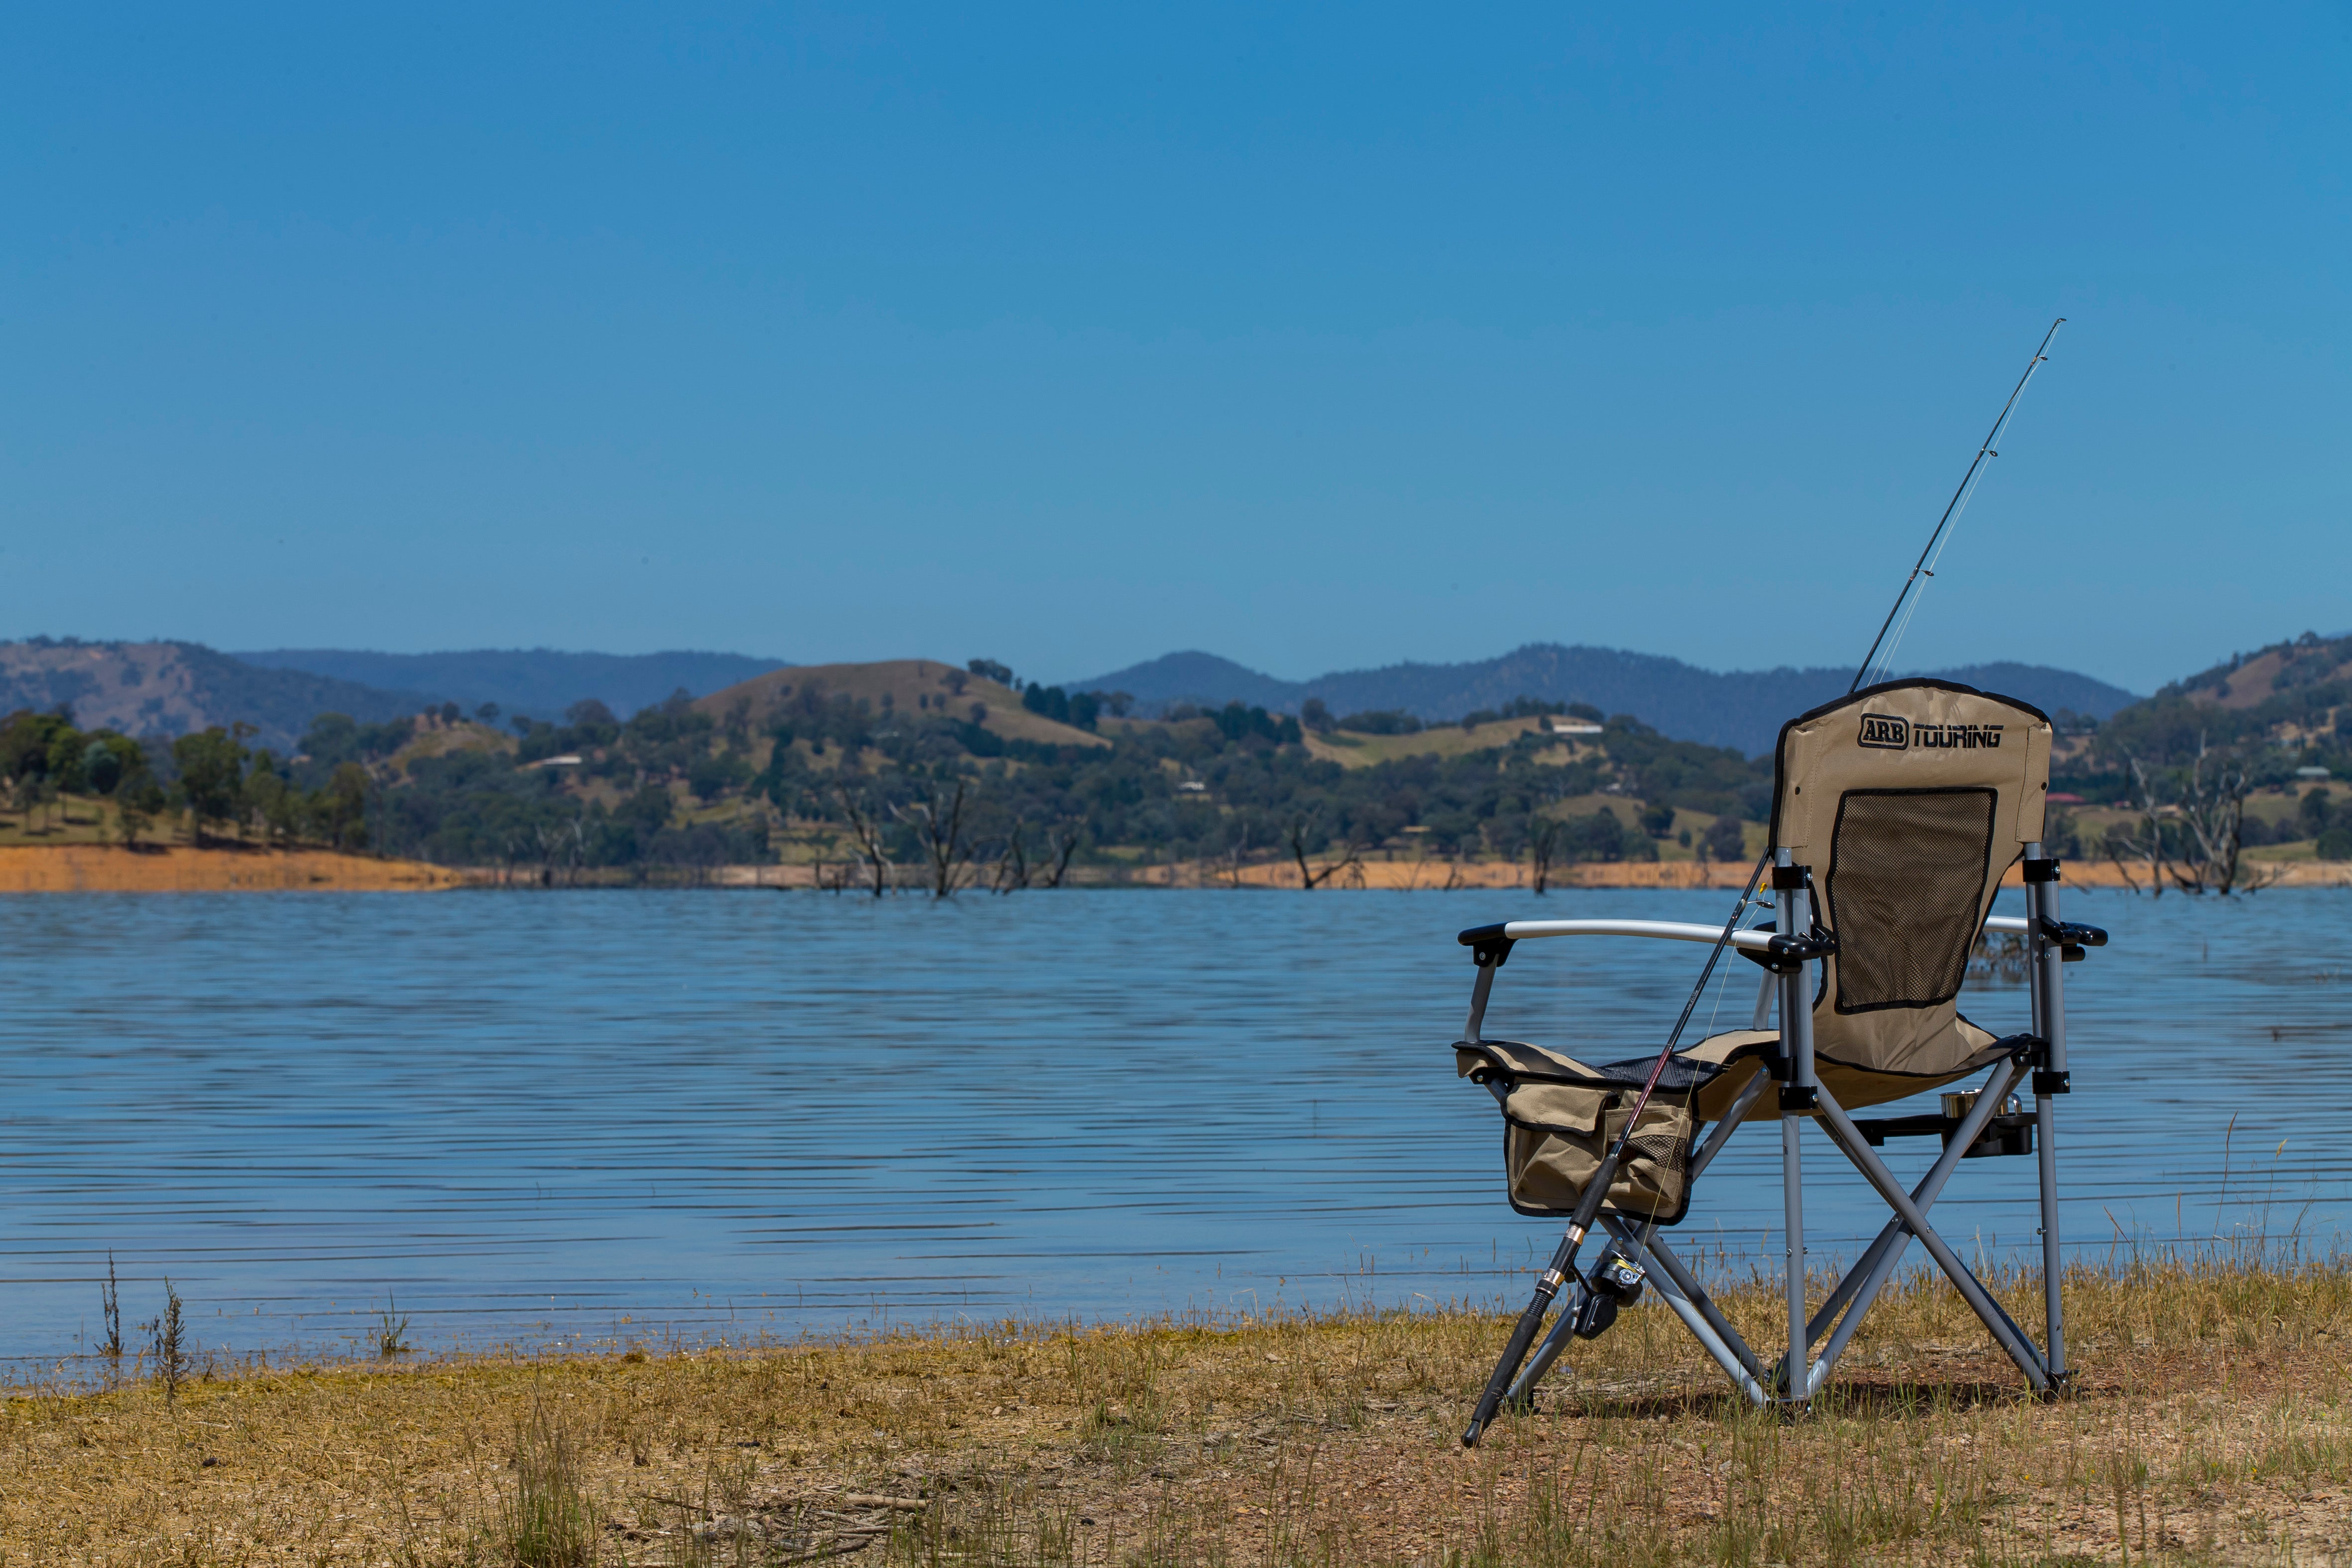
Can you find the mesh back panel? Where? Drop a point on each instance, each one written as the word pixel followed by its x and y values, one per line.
pixel 1906 891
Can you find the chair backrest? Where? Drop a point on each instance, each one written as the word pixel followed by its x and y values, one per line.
pixel 1908 800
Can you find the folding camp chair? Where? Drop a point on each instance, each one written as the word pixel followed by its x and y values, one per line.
pixel 1895 811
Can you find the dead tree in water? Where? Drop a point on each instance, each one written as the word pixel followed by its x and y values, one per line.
pixel 2213 812
pixel 2204 853
pixel 939 818
pixel 2143 843
pixel 561 850
pixel 1013 865
pixel 1236 851
pixel 866 826
pixel 1310 878
pixel 1543 839
pixel 1063 842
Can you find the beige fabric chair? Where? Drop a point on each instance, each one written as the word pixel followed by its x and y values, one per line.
pixel 1897 810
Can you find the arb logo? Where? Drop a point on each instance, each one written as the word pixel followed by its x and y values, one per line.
pixel 1889 733
pixel 1885 730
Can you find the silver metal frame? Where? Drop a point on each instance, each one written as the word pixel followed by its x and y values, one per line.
pixel 1798 1375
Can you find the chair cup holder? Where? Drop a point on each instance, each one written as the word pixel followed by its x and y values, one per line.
pixel 2007 1131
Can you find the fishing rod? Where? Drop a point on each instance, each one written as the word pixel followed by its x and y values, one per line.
pixel 1596 1191
pixel 1933 555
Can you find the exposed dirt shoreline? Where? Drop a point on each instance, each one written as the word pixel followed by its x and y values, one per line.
pixel 174 869
pixel 181 868
pixel 1452 876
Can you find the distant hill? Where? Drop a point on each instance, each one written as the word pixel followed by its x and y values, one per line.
pixel 2250 679
pixel 1742 708
pixel 541 682
pixel 170 688
pixel 913 689
pixel 2296 696
pixel 1198 678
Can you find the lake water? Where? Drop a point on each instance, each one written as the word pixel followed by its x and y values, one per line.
pixel 533 1117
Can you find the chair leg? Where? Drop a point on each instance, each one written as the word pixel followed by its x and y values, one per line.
pixel 1706 1325
pixel 1792 905
pixel 2053 1267
pixel 1876 1266
pixel 1794 1380
pixel 1989 1099
pixel 1729 1124
pixel 1746 1367
pixel 1555 1344
pixel 2050 1023
pixel 1849 1139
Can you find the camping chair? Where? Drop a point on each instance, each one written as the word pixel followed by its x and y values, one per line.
pixel 1895 811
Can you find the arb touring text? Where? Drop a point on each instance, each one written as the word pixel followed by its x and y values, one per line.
pixel 1887 733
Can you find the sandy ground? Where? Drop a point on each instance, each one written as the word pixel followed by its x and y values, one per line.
pixel 95 869
pixel 2207 1423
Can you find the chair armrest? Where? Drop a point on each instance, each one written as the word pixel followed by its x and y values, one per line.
pixel 1665 930
pixel 2069 934
pixel 2065 934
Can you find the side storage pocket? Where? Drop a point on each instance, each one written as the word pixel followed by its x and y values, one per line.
pixel 1653 1180
pixel 1554 1138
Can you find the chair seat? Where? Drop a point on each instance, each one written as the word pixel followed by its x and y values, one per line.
pixel 1561 1113
pixel 1716 1068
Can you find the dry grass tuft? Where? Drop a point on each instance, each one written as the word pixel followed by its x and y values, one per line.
pixel 2209 1424
pixel 549 1520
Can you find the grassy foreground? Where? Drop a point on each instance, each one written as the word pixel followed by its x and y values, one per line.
pixel 2209 1424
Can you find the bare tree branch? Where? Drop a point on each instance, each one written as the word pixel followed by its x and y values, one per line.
pixel 1063 841
pixel 939 817
pixel 2209 803
pixel 2145 842
pixel 1013 865
pixel 865 824
pixel 1236 852
pixel 1310 878
pixel 2214 810
pixel 1543 839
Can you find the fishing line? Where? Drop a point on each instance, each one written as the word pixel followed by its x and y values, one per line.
pixel 1716 1009
pixel 1906 601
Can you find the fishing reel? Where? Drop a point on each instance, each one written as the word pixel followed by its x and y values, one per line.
pixel 1615 1281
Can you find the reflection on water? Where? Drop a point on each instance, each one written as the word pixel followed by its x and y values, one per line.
pixel 530 1115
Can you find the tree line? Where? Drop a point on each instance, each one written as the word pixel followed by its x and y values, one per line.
pixel 881 792
pixel 923 787
pixel 210 780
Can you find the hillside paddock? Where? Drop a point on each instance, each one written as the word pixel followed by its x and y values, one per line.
pixel 2208 1424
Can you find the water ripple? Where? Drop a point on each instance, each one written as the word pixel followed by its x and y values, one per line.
pixel 638 1112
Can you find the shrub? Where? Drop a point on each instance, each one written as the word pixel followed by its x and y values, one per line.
pixel 1385 721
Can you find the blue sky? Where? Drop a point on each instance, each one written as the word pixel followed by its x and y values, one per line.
pixel 1318 339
